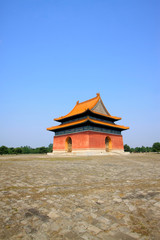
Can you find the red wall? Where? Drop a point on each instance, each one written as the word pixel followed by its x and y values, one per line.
pixel 87 140
pixel 97 140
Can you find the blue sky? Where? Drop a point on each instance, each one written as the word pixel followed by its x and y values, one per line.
pixel 55 52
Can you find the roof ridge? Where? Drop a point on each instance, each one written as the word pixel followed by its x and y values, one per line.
pixel 89 99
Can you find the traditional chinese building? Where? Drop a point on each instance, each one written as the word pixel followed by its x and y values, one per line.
pixel 88 128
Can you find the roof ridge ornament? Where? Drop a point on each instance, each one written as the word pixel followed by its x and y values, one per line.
pixel 98 94
pixel 77 102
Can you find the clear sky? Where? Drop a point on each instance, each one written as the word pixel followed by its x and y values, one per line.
pixel 55 52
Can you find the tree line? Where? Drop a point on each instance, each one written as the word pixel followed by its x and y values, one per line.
pixel 25 150
pixel 155 148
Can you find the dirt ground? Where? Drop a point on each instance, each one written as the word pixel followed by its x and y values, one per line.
pixel 81 198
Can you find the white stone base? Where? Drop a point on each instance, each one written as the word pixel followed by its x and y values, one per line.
pixel 88 152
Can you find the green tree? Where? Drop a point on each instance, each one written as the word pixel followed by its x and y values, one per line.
pixel 50 147
pixel 26 150
pixel 148 149
pixel 18 150
pixel 3 150
pixel 11 150
pixel 126 148
pixel 132 150
pixel 137 149
pixel 143 149
pixel 42 150
pixel 156 147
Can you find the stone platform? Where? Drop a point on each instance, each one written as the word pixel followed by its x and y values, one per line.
pixel 87 153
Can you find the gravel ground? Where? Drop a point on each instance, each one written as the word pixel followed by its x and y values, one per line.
pixel 87 198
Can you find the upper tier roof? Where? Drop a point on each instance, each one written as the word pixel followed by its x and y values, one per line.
pixel 95 105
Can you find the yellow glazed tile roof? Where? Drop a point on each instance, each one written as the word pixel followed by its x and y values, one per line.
pixel 67 124
pixel 108 124
pixel 84 106
pixel 85 120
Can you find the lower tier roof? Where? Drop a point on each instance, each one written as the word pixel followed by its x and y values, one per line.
pixel 87 119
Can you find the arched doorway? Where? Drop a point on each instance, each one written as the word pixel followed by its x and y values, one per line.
pixel 108 144
pixel 68 144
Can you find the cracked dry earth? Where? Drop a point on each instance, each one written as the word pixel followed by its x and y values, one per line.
pixel 107 197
